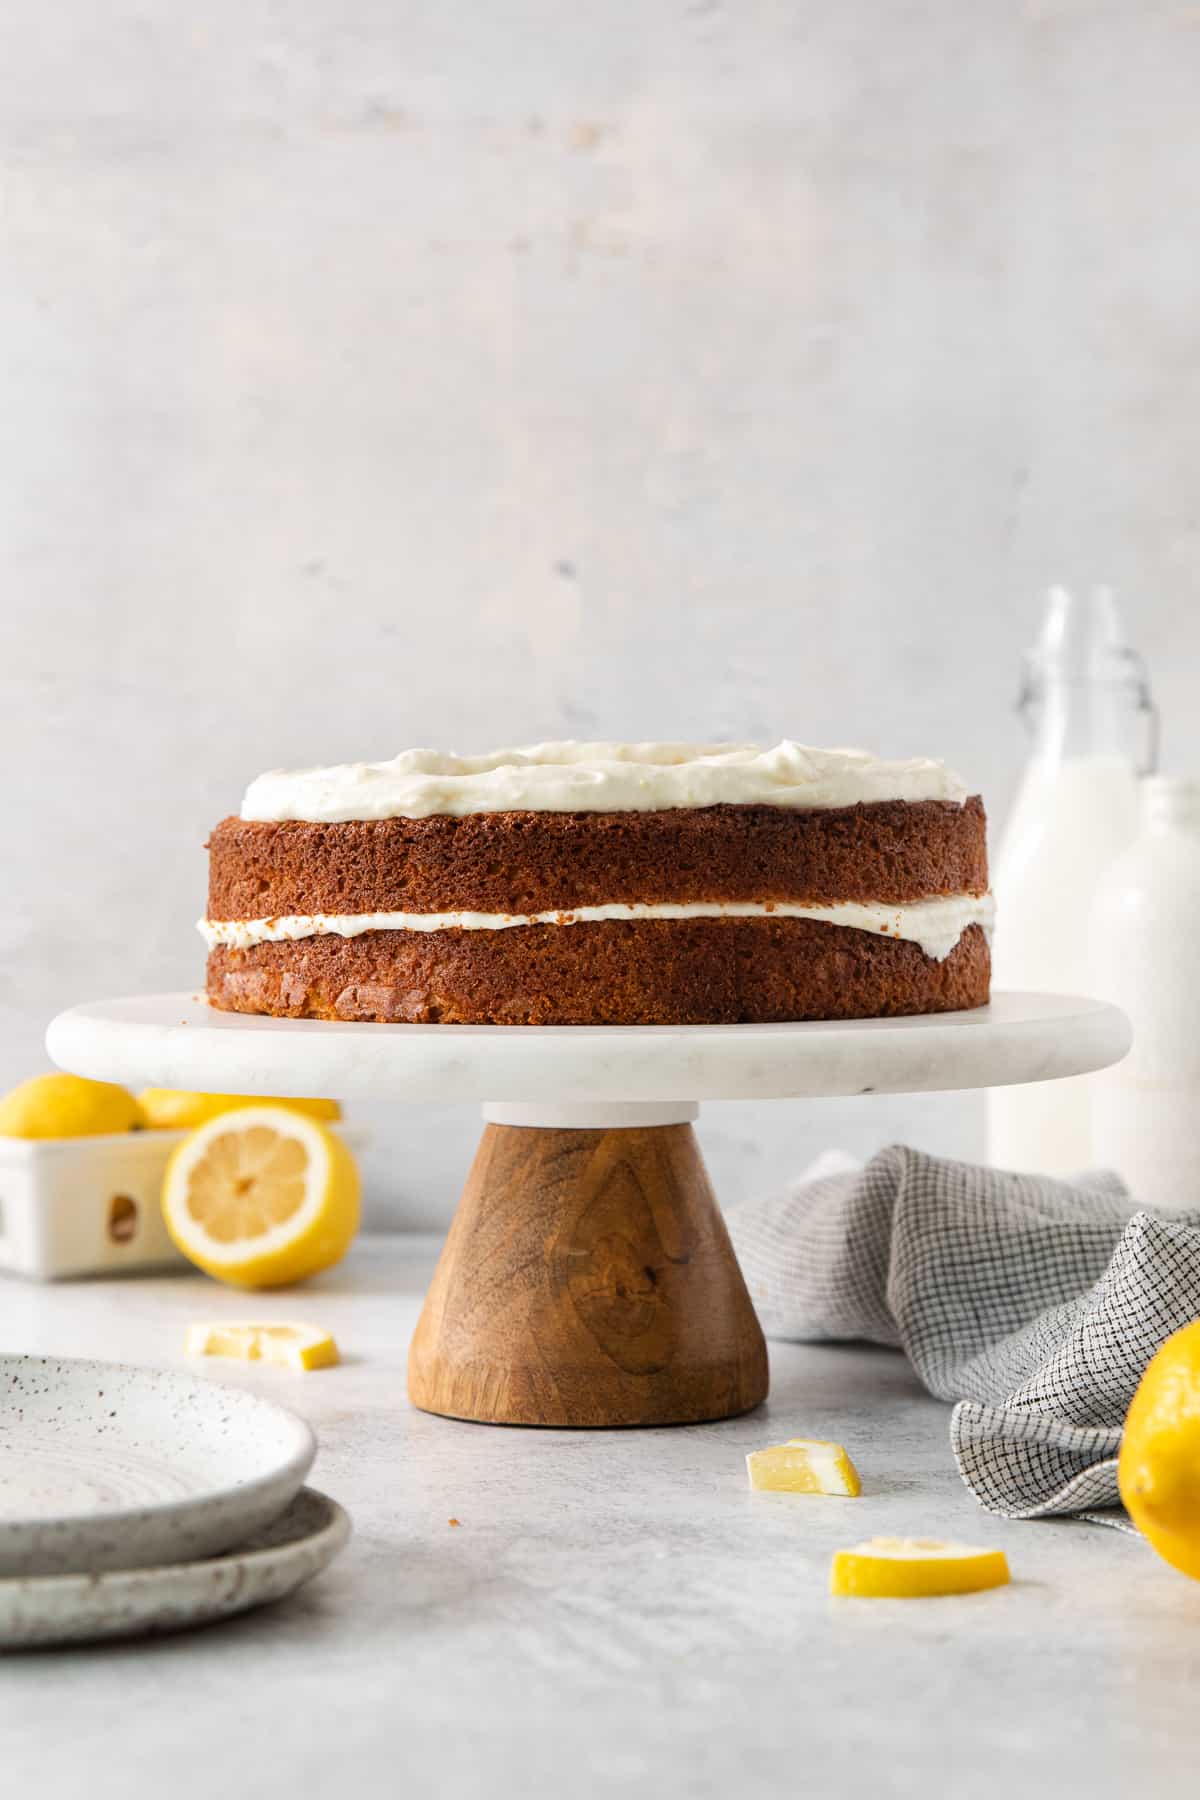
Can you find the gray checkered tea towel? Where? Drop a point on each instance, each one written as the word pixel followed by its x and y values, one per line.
pixel 1034 1304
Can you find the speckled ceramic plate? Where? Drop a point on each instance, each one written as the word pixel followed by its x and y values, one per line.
pixel 80 1609
pixel 108 1467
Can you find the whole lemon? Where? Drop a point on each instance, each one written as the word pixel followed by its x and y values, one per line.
pixel 1158 1470
pixel 175 1109
pixel 65 1106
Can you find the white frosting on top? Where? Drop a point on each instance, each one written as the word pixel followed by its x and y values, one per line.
pixel 571 777
pixel 936 925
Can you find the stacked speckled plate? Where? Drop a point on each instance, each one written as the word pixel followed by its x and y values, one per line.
pixel 134 1500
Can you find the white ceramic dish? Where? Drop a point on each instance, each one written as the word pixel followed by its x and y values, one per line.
pixel 85 1206
pixel 77 1609
pixel 91 1205
pixel 103 1466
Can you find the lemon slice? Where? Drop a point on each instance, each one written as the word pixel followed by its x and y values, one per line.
pixel 292 1346
pixel 261 1197
pixel 803 1466
pixel 909 1568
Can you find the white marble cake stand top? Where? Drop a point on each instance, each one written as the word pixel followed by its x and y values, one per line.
pixel 586 1074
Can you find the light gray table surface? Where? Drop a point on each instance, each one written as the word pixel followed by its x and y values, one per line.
pixel 616 1613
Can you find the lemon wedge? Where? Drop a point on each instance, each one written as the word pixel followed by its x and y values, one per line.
pixel 292 1346
pixel 65 1106
pixel 911 1568
pixel 175 1109
pixel 803 1466
pixel 261 1197
pixel 1158 1470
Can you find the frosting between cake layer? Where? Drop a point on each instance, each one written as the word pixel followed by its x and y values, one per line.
pixel 936 925
pixel 577 777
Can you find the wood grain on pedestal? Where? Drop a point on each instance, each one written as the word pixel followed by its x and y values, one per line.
pixel 588 1280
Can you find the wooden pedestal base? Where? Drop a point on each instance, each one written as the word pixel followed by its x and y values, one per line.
pixel 588 1279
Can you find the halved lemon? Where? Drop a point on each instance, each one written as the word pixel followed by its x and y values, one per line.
pixel 261 1197
pixel 804 1466
pixel 912 1568
pixel 292 1346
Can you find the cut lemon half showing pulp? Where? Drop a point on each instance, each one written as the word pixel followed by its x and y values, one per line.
pixel 261 1197
pixel 911 1568
pixel 292 1346
pixel 803 1466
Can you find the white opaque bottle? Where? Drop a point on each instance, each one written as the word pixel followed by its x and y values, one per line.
pixel 1086 700
pixel 1145 956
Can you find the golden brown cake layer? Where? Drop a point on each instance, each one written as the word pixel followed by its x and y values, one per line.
pixel 528 862
pixel 638 972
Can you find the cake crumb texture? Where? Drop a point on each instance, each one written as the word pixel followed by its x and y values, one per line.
pixel 530 862
pixel 634 972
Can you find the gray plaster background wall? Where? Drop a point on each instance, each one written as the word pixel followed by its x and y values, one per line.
pixel 380 372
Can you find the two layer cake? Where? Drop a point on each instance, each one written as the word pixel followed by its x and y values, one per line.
pixel 602 884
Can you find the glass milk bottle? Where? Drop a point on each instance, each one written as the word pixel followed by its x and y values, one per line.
pixel 1145 955
pixel 1087 703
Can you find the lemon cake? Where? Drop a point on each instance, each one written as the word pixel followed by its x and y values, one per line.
pixel 602 884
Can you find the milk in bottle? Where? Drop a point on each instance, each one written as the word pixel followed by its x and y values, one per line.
pixel 1086 700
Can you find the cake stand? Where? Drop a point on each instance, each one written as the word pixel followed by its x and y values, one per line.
pixel 588 1278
